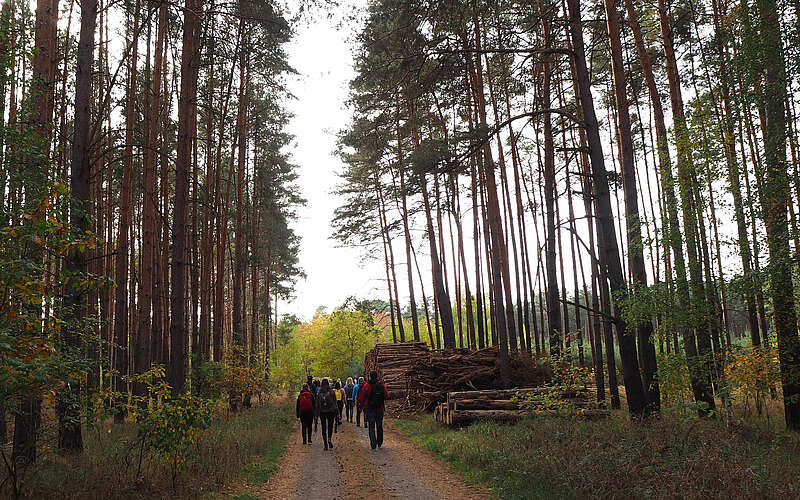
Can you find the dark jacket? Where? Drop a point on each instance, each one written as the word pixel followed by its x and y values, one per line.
pixel 298 402
pixel 366 390
pixel 318 402
pixel 348 391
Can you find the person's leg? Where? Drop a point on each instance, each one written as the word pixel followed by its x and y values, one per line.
pixel 358 417
pixel 324 420
pixel 369 416
pixel 350 411
pixel 379 425
pixel 331 420
pixel 306 429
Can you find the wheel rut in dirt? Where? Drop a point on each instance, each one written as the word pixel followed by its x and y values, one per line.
pixel 412 473
pixel 352 471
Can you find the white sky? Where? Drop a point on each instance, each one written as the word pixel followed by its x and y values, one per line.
pixel 322 56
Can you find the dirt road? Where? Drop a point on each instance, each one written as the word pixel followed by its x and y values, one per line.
pixel 352 471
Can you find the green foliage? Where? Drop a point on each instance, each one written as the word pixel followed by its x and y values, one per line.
pixel 235 376
pixel 752 374
pixel 33 358
pixel 206 379
pixel 286 370
pixel 344 341
pixel 331 344
pixel 673 379
pixel 566 377
pixel 222 456
pixel 170 426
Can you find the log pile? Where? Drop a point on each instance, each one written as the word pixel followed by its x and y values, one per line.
pixel 464 407
pixel 431 378
pixel 392 361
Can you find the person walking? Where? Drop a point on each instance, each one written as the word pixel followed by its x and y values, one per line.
pixel 356 390
pixel 372 398
pixel 315 391
pixel 305 412
pixel 339 393
pixel 326 409
pixel 348 394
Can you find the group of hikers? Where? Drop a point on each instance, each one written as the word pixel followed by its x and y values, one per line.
pixel 321 401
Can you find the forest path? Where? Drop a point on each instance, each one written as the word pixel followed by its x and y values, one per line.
pixel 352 471
pixel 412 473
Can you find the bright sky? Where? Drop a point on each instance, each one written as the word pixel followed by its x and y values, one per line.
pixel 322 56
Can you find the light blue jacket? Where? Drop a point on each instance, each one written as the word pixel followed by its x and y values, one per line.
pixel 355 392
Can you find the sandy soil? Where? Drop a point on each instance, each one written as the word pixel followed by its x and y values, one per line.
pixel 413 473
pixel 352 471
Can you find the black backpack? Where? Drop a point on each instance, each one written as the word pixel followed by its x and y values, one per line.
pixel 377 395
pixel 348 391
pixel 327 402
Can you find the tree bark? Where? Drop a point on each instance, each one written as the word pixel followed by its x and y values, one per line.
pixel 699 361
pixel 607 244
pixel 636 264
pixel 68 406
pixel 775 198
pixel 187 104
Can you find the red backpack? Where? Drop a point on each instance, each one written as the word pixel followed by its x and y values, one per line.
pixel 305 401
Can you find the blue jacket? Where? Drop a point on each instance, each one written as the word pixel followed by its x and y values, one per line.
pixel 355 392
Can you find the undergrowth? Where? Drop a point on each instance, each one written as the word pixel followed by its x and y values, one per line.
pixel 667 457
pixel 244 445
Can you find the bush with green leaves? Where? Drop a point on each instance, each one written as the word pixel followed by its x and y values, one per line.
pixel 567 378
pixel 167 425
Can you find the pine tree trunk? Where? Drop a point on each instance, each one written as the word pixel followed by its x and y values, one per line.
pixel 638 271
pixel 121 310
pixel 240 238
pixel 406 231
pixel 775 198
pixel 442 298
pixel 384 238
pixel 504 326
pixel 187 103
pixel 400 325
pixel 206 251
pixel 158 110
pixel 456 208
pixel 607 242
pixel 701 385
pixel 68 402
pixel 40 104
pixel 555 325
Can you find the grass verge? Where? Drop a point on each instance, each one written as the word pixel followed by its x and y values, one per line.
pixel 241 446
pixel 668 457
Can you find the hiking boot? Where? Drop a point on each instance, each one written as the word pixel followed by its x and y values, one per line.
pixel 330 445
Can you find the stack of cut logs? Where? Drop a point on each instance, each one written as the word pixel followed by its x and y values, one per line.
pixel 391 361
pixel 432 377
pixel 465 407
